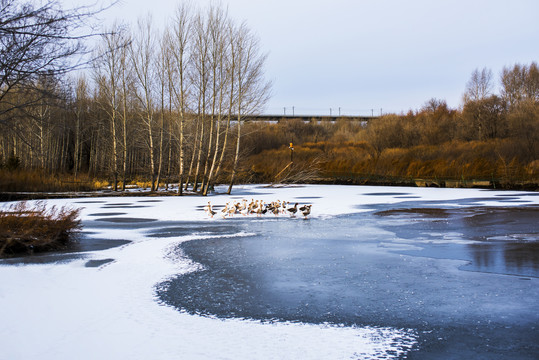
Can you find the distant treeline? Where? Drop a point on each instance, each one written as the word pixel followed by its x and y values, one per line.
pixel 493 138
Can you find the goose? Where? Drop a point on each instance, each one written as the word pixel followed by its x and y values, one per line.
pixel 211 212
pixel 225 209
pixel 237 207
pixel 244 209
pixel 253 206
pixel 293 210
pixel 257 208
pixel 232 210
pixel 260 209
pixel 207 208
pixel 306 210
pixel 283 205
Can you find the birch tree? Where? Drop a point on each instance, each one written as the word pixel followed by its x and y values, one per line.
pixel 480 85
pixel 178 64
pixel 220 84
pixel 217 19
pixel 520 84
pixel 162 79
pixel 200 75
pixel 231 72
pixel 142 56
pixel 108 69
pixel 253 90
pixel 126 80
pixel 81 109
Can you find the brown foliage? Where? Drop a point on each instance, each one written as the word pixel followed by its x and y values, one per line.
pixel 456 160
pixel 487 117
pixel 269 165
pixel 39 181
pixel 25 229
pixel 485 141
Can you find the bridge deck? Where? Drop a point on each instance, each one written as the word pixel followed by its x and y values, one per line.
pixel 307 117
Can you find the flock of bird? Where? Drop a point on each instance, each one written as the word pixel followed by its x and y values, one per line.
pixel 258 208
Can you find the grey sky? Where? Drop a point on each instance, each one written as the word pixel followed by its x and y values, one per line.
pixel 365 54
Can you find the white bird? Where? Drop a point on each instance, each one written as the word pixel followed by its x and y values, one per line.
pixel 207 208
pixel 283 205
pixel 244 208
pixel 210 210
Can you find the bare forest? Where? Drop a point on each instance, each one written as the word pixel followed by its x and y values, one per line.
pixel 154 106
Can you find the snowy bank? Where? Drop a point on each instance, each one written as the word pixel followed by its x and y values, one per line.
pixel 69 310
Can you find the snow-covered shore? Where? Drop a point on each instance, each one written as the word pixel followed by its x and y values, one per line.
pixel 67 310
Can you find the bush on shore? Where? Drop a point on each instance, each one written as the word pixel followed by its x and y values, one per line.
pixel 39 181
pixel 27 229
pixel 494 160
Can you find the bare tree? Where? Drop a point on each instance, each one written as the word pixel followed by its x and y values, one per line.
pixel 487 116
pixel 479 86
pixel 37 126
pixel 126 80
pixel 37 39
pixel 252 89
pixel 143 61
pixel 218 45
pixel 521 83
pixel 81 109
pixel 40 115
pixel 179 41
pixel 231 72
pixel 108 76
pixel 164 87
pixel 200 77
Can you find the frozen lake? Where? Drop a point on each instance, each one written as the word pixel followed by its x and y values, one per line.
pixel 376 272
pixel 367 270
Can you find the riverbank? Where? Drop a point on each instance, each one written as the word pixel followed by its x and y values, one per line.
pixel 351 179
pixel 344 179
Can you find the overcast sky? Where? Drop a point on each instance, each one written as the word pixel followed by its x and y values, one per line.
pixel 359 55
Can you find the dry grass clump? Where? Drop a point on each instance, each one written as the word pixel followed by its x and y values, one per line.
pixel 27 229
pixel 457 160
pixel 39 181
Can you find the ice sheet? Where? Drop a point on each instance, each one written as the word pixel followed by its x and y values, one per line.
pixel 69 310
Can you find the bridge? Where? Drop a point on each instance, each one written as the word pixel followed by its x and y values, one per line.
pixel 307 117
